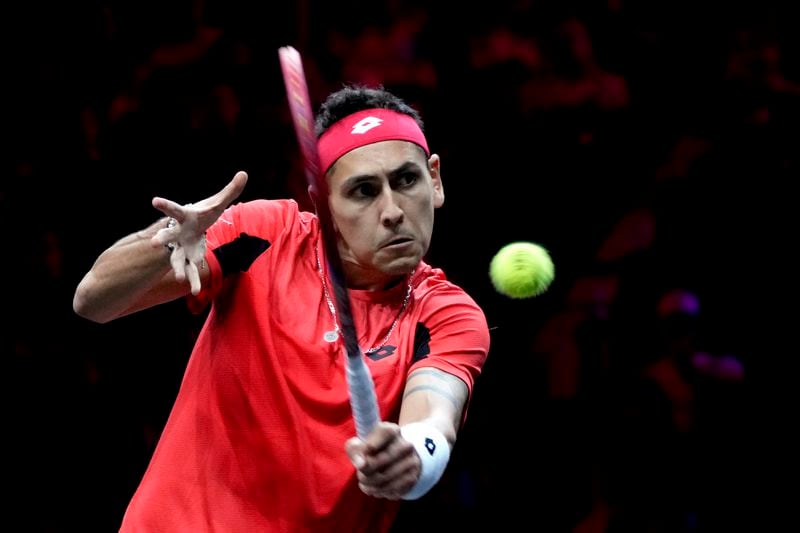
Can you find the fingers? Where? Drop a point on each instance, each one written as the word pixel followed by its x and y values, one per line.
pixel 158 240
pixel 390 473
pixel 187 236
pixel 193 274
pixel 195 255
pixel 386 460
pixel 168 207
pixel 387 465
pixel 238 182
pixel 230 192
pixel 186 268
pixel 356 450
pixel 218 201
pixel 186 262
pixel 165 235
pixel 178 261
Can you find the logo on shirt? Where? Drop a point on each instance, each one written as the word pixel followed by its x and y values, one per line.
pixel 422 346
pixel 384 352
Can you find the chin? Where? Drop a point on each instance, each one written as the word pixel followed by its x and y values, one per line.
pixel 402 266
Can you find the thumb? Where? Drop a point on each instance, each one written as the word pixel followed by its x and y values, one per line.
pixel 231 191
pixel 355 449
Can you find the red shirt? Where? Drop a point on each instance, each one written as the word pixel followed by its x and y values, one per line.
pixel 255 439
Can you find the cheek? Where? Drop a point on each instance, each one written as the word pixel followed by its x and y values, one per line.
pixel 353 230
pixel 344 220
pixel 425 212
pixel 424 222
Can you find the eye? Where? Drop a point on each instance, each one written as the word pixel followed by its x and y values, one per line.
pixel 364 189
pixel 406 179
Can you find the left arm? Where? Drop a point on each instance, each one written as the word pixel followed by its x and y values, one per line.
pixel 436 397
pixel 394 458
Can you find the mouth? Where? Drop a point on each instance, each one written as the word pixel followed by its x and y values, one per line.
pixel 397 242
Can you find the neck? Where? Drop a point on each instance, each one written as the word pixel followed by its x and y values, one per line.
pixel 360 278
pixel 333 335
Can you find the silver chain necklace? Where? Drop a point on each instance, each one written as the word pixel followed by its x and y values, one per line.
pixel 333 336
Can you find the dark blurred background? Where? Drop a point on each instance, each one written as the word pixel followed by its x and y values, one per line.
pixel 650 146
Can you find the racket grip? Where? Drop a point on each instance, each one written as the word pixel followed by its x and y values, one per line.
pixel 363 401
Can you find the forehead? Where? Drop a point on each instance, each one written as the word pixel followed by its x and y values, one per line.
pixel 377 159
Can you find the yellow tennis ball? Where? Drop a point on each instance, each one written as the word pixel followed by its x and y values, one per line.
pixel 521 270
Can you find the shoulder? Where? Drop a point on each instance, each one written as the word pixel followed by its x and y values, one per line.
pixel 451 330
pixel 262 215
pixel 431 284
pixel 283 207
pixel 441 301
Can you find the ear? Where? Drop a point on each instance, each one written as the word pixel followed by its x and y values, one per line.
pixel 313 195
pixel 435 166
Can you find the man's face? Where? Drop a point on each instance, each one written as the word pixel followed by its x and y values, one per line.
pixel 382 198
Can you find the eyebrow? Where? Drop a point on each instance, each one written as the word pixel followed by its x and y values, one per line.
pixel 402 169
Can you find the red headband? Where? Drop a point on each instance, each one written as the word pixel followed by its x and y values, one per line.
pixel 367 127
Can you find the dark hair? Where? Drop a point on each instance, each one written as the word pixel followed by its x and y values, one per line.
pixel 353 98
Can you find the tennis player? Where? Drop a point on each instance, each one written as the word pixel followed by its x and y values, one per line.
pixel 261 435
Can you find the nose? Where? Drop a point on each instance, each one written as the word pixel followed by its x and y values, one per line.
pixel 391 213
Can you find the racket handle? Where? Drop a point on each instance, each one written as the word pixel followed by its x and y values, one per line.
pixel 363 401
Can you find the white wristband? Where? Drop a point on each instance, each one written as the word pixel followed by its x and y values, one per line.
pixel 434 453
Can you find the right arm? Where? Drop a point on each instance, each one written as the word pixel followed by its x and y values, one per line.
pixel 130 275
pixel 138 272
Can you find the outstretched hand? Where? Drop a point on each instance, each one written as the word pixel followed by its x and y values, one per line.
pixel 186 236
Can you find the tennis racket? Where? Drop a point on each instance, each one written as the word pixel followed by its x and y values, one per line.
pixel 363 401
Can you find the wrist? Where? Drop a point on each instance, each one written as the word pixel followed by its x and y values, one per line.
pixel 434 454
